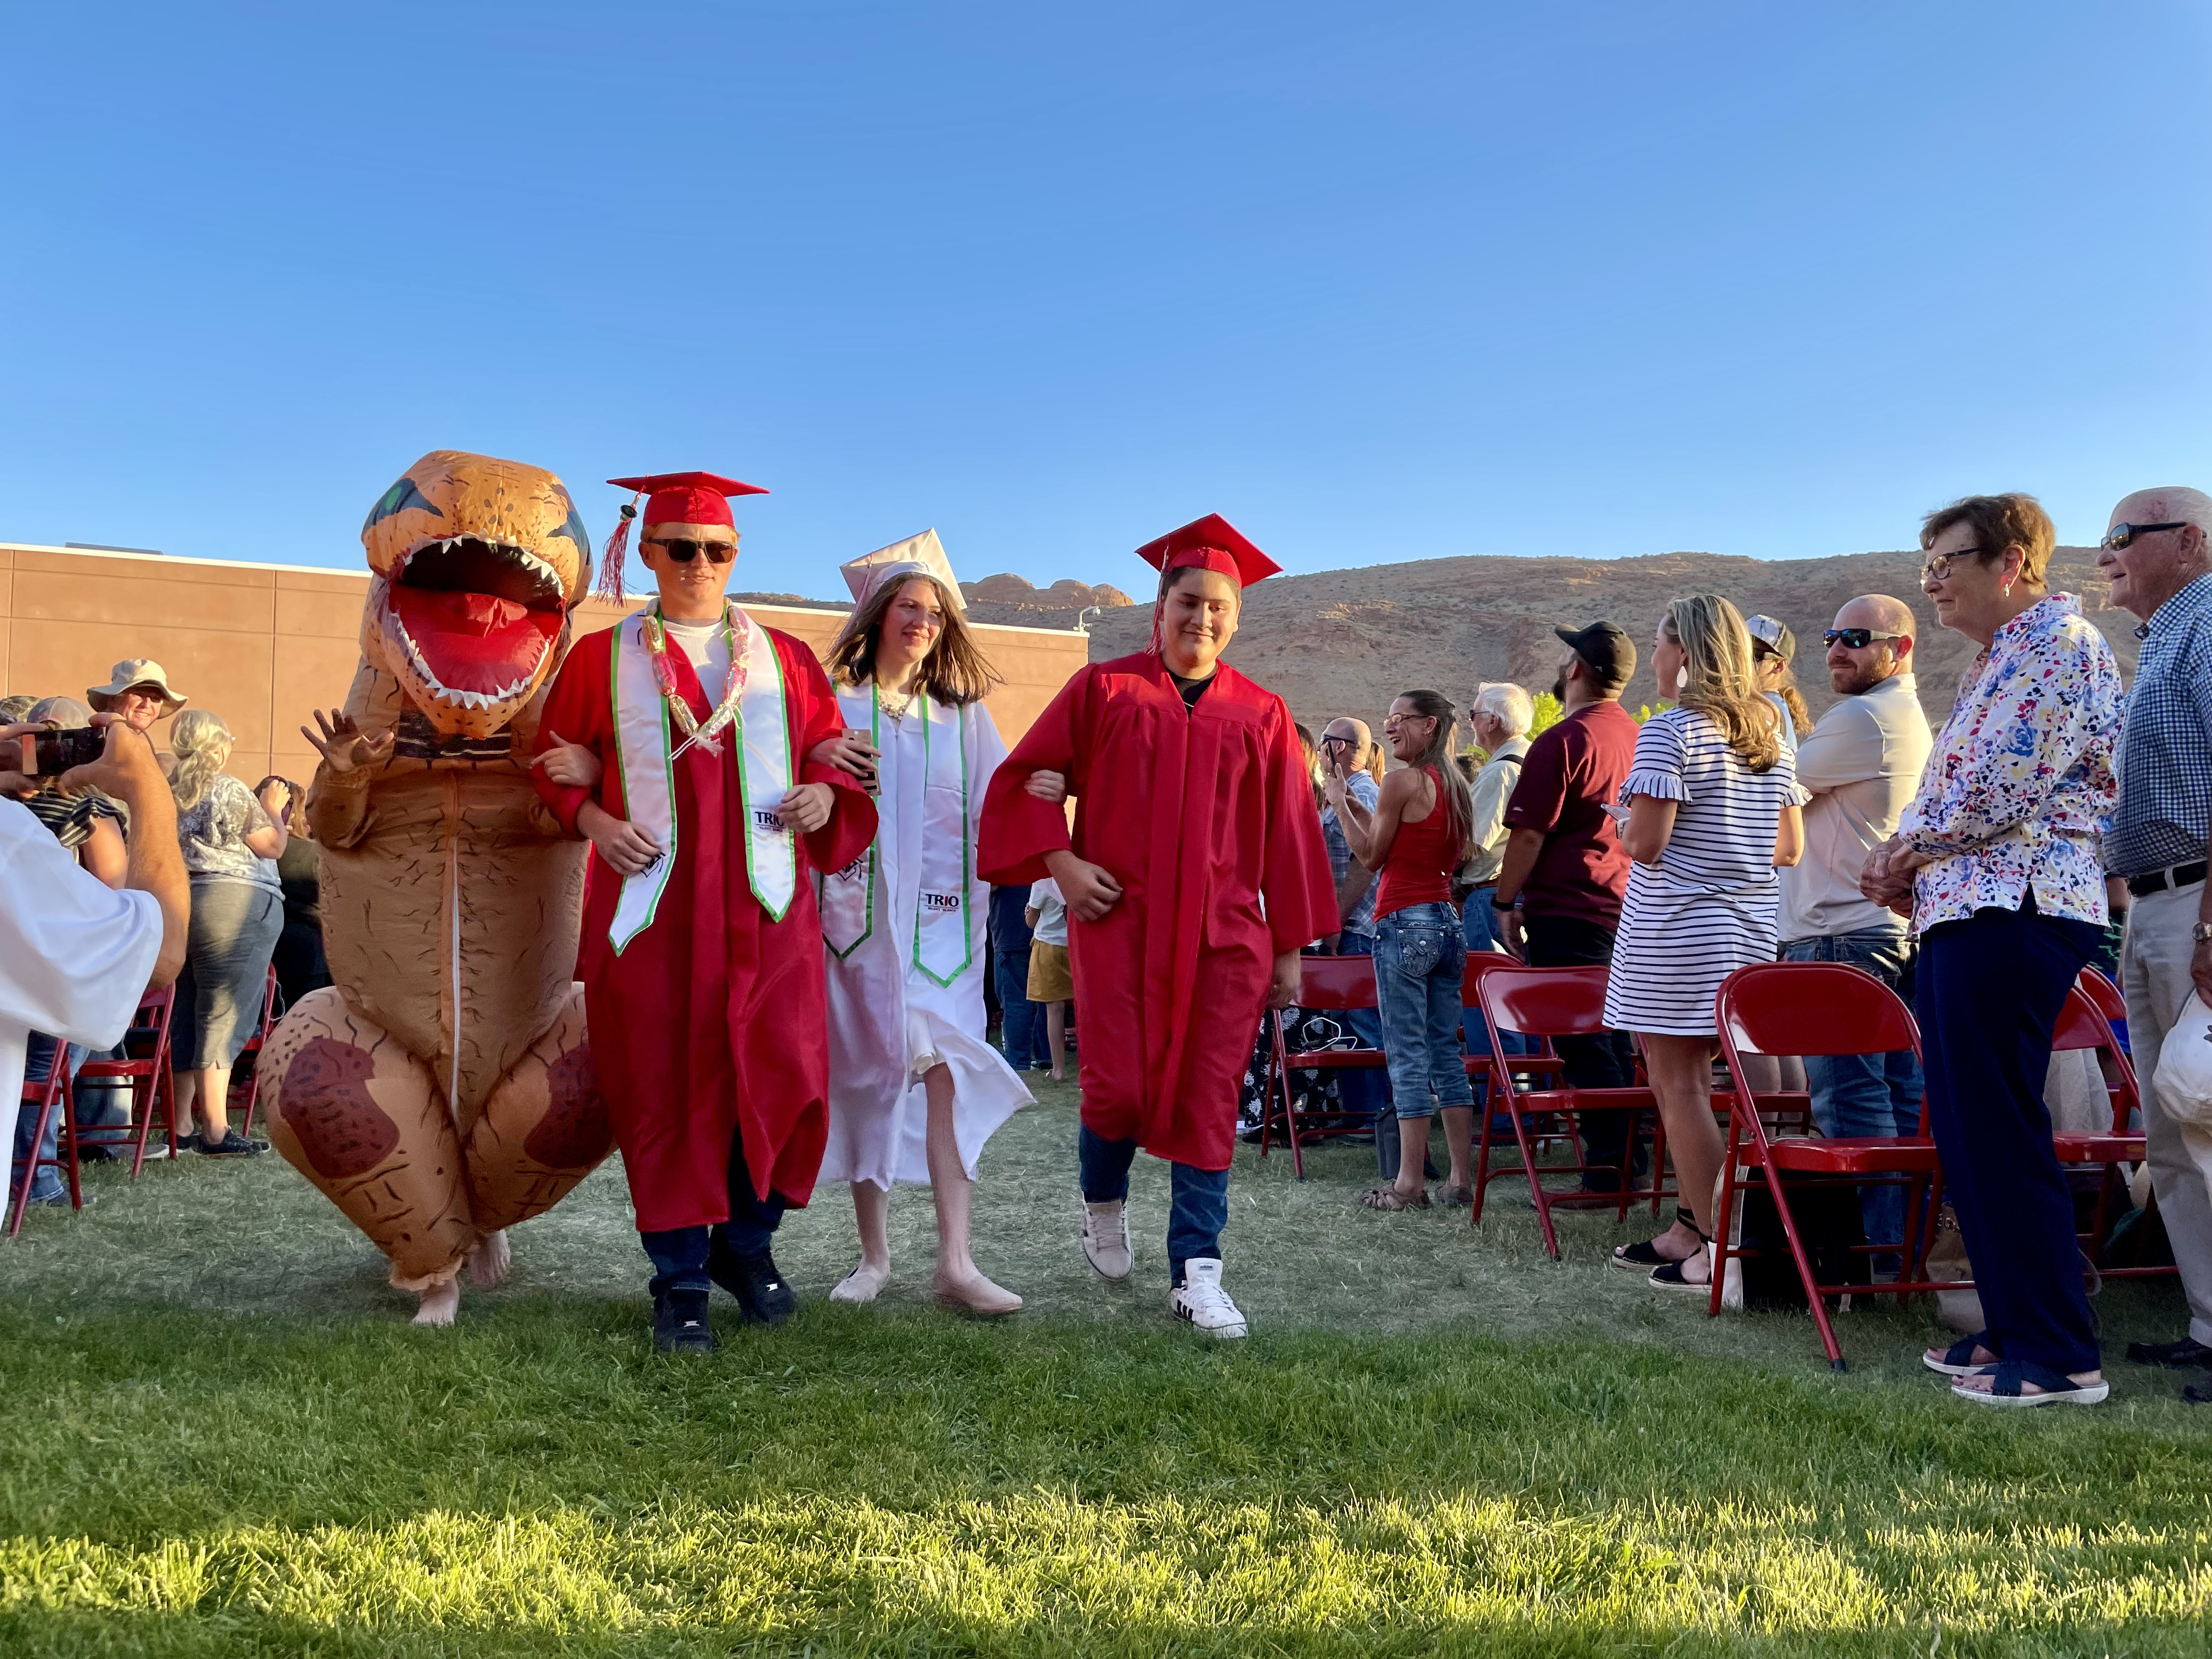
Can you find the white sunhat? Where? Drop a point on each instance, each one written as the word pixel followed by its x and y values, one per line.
pixel 135 671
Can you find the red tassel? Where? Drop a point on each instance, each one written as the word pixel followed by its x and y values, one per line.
pixel 611 559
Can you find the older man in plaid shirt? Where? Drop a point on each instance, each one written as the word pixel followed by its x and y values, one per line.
pixel 2156 557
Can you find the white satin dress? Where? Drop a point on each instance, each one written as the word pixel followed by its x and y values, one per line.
pixel 890 1021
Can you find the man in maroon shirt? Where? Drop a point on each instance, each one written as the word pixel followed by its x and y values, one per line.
pixel 1559 890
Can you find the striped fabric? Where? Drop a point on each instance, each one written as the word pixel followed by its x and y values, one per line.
pixel 1710 905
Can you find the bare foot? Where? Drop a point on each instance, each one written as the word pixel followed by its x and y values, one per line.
pixel 973 1294
pixel 440 1303
pixel 490 1261
pixel 863 1283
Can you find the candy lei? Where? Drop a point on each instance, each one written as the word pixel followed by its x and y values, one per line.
pixel 708 737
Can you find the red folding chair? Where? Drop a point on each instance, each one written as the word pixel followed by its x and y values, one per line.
pixel 2085 1022
pixel 1329 985
pixel 153 1084
pixel 271 998
pixel 1824 1009
pixel 1547 1003
pixel 48 1095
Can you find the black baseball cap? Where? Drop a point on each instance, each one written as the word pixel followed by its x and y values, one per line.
pixel 1610 653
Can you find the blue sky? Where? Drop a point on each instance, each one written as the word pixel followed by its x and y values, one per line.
pixel 1378 284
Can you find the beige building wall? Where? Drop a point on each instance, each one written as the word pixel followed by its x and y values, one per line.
pixel 265 645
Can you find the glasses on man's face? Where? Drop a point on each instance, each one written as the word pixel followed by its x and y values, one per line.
pixel 683 552
pixel 1938 565
pixel 1328 741
pixel 1855 639
pixel 2121 534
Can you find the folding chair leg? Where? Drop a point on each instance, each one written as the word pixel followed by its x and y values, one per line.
pixel 1535 1180
pixel 1805 1271
pixel 1278 1062
pixel 1481 1158
pixel 30 1160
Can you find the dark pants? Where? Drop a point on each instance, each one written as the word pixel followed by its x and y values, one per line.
pixel 47 1186
pixel 680 1255
pixel 1362 1090
pixel 1021 1022
pixel 1197 1212
pixel 1608 1061
pixel 1989 992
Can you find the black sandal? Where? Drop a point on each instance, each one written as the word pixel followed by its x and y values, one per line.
pixel 1640 1257
pixel 1670 1276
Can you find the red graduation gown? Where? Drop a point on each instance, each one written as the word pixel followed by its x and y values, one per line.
pixel 1200 815
pixel 712 1019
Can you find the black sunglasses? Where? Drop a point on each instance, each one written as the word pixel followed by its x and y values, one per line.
pixel 1855 639
pixel 683 552
pixel 2121 534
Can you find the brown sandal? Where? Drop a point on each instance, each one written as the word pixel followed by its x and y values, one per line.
pixel 1389 1198
pixel 1455 1198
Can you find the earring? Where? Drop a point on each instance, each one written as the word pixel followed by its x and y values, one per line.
pixel 1682 678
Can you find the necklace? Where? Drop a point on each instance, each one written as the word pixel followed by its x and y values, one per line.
pixel 708 737
pixel 894 704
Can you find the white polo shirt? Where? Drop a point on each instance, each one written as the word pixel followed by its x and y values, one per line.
pixel 1862 764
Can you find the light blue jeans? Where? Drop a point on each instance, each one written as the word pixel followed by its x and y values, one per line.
pixel 1420 959
pixel 1866 1094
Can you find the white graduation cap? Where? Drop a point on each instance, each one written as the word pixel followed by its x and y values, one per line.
pixel 917 555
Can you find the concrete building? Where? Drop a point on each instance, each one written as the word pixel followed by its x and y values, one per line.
pixel 265 645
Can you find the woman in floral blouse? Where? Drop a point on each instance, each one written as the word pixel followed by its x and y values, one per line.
pixel 1996 862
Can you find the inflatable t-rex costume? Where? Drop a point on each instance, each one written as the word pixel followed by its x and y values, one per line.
pixel 442 1090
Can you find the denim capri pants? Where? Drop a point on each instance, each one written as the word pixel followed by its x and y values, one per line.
pixel 1420 959
pixel 235 928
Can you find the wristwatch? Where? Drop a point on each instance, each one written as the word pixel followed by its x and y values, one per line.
pixel 1497 903
pixel 2201 932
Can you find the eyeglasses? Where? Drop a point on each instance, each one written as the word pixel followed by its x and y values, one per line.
pixel 684 551
pixel 1855 639
pixel 2121 534
pixel 1937 569
pixel 1328 741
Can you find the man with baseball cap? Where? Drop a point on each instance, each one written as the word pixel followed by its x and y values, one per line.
pixel 1565 871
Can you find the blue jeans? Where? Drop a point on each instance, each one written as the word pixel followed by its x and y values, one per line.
pixel 1197 1210
pixel 1866 1094
pixel 1021 1027
pixel 47 1186
pixel 1420 960
pixel 1479 922
pixel 680 1255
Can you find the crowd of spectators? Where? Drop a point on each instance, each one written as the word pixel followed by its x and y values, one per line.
pixel 250 891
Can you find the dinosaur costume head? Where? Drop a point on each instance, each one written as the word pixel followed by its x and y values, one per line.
pixel 476 563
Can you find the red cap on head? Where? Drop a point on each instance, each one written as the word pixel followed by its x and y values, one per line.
pixel 687 497
pixel 1211 543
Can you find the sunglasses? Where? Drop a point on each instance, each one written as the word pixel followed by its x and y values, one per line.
pixel 683 552
pixel 1855 639
pixel 2121 534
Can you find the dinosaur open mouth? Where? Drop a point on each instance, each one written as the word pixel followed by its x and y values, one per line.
pixel 476 618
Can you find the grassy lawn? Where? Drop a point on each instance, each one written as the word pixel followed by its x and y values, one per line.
pixel 222 1438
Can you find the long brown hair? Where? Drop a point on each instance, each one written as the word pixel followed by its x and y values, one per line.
pixel 1721 686
pixel 1457 799
pixel 956 669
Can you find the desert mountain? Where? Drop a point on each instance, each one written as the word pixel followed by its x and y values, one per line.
pixel 1347 641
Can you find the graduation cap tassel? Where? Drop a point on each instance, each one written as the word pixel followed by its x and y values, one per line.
pixel 611 560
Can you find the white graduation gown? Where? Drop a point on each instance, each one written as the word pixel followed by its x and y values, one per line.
pixel 888 1020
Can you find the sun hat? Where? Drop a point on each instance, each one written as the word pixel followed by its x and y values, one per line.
pixel 135 671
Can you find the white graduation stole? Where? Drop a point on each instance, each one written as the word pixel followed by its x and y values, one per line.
pixel 648 769
pixel 944 931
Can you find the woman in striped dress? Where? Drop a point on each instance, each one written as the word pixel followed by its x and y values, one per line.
pixel 1709 812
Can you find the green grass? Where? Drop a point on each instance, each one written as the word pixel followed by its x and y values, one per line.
pixel 220 1438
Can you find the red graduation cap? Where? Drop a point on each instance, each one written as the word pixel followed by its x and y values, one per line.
pixel 1211 543
pixel 687 497
pixel 673 498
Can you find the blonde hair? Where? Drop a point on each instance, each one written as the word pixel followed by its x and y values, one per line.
pixel 955 671
pixel 1457 797
pixel 203 744
pixel 1721 686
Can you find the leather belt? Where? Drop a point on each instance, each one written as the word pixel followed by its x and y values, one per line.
pixel 2182 875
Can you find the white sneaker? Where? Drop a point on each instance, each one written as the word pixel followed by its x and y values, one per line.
pixel 1106 1239
pixel 1201 1301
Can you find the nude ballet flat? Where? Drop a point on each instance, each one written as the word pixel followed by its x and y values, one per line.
pixel 863 1284
pixel 979 1296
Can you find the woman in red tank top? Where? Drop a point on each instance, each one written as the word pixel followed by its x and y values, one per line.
pixel 1417 836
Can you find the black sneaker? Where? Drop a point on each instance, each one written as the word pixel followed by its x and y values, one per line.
pixel 233 1145
pixel 679 1323
pixel 762 1291
pixel 2187 1352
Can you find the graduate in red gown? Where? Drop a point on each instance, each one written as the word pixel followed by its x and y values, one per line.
pixel 676 742
pixel 1195 874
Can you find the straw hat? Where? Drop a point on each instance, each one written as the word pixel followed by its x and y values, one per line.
pixel 135 672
